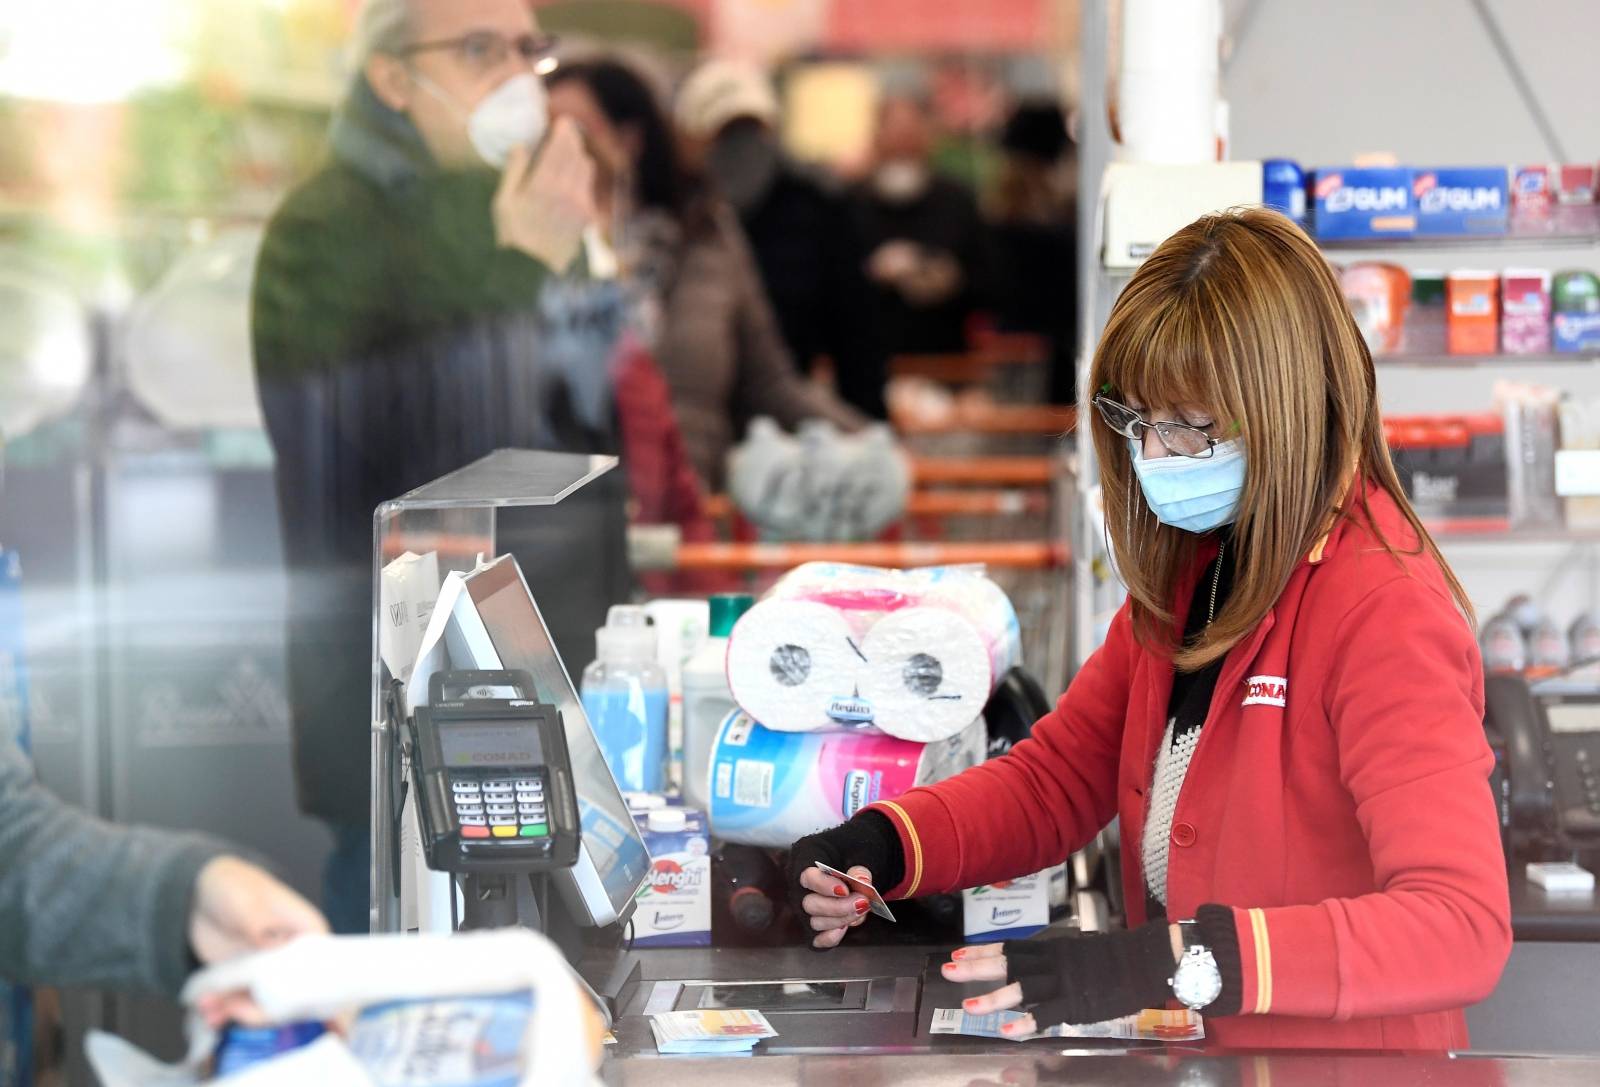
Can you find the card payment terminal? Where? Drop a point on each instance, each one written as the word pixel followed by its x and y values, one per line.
pixel 493 778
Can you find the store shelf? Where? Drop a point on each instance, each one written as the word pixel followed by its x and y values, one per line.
pixel 986 418
pixel 1497 530
pixel 1548 358
pixel 984 471
pixel 1014 555
pixel 956 503
pixel 1571 240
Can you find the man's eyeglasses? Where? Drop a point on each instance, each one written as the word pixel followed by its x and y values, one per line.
pixel 1181 439
pixel 485 50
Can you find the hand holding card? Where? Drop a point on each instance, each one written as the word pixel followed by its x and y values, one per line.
pixel 861 887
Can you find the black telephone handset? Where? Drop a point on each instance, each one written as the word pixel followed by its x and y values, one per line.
pixel 1552 759
pixel 494 788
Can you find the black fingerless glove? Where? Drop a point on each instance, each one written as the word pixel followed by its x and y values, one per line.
pixel 1093 976
pixel 868 840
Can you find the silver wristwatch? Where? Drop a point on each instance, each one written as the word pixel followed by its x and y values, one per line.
pixel 1197 981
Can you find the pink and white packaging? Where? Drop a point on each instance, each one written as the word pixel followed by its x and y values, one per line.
pixel 770 788
pixel 913 654
pixel 1525 311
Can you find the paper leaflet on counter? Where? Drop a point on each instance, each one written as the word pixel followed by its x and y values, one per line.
pixel 495 1009
pixel 913 654
pixel 730 1031
pixel 1150 1025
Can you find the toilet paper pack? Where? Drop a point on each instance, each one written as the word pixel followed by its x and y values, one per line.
pixel 769 788
pixel 913 654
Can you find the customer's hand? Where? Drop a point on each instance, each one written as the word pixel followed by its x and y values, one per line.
pixel 866 844
pixel 238 908
pixel 546 198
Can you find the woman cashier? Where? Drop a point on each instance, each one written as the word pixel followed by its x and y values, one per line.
pixel 1286 714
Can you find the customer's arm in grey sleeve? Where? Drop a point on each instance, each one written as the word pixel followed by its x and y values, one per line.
pixel 83 902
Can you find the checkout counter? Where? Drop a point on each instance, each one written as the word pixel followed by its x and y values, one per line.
pixel 1546 737
pixel 862 1013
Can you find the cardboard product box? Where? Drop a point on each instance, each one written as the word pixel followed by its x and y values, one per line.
pixel 1456 200
pixel 1575 331
pixel 1575 208
pixel 1525 311
pixel 1378 295
pixel 1575 183
pixel 1364 202
pixel 1575 297
pixel 1474 312
pixel 1532 195
pixel 1452 465
pixel 1009 910
pixel 673 909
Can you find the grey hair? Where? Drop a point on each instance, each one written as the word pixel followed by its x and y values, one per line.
pixel 382 26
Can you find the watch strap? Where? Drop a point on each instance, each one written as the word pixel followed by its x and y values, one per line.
pixel 1215 928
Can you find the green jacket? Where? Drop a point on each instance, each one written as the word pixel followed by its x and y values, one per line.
pixel 394 342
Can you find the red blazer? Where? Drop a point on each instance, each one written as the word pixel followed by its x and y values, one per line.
pixel 1338 800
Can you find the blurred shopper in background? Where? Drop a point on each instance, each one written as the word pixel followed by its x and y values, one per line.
pixel 717 342
pixel 397 332
pixel 85 903
pixel 929 250
pixel 806 240
pixel 1033 212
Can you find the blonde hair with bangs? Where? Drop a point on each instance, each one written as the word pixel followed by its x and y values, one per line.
pixel 1239 313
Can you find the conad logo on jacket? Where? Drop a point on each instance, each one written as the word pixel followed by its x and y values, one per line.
pixel 1267 691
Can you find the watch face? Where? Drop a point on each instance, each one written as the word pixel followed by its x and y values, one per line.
pixel 1198 981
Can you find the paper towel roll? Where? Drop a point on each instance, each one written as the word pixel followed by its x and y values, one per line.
pixel 952 621
pixel 769 788
pixel 791 660
pixel 1167 87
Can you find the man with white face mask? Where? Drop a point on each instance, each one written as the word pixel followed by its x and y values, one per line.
pixel 401 328
pixel 929 247
pixel 467 75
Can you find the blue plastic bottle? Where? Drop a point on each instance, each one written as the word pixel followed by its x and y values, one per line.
pixel 625 697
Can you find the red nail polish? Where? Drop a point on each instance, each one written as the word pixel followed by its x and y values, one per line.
pixel 958 954
pixel 839 891
pixel 862 906
pixel 970 1004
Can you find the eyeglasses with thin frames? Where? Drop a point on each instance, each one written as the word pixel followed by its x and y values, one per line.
pixel 1180 439
pixel 485 50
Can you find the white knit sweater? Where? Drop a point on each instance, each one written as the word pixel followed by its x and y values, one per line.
pixel 1172 766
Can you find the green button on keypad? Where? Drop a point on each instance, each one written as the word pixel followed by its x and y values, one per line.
pixel 535 830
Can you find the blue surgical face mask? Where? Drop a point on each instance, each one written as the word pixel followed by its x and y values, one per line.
pixel 1195 495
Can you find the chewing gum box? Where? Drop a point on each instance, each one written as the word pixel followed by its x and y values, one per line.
pixel 673 908
pixel 1459 200
pixel 1525 311
pixel 1532 195
pixel 1364 202
pixel 1010 910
